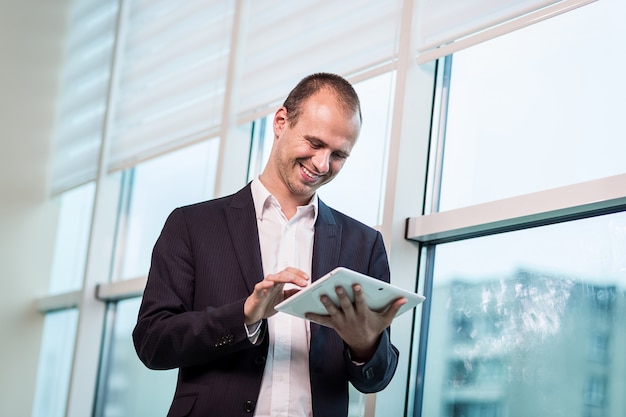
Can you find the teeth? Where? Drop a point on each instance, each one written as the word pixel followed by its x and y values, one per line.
pixel 309 173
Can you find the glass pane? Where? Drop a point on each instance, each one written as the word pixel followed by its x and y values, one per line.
pixel 160 185
pixel 261 147
pixel 130 389
pixel 538 108
pixel 359 189
pixel 72 239
pixel 55 363
pixel 530 323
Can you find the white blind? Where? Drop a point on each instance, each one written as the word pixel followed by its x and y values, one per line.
pixel 172 76
pixel 446 26
pixel 287 40
pixel 83 91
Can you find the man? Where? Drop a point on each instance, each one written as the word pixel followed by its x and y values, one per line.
pixel 219 268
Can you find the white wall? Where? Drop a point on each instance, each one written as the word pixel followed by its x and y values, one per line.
pixel 30 51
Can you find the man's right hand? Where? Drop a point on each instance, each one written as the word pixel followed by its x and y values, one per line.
pixel 269 292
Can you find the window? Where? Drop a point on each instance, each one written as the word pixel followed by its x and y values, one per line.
pixel 150 191
pixel 154 188
pixel 534 304
pixel 128 387
pixel 55 362
pixel 72 240
pixel 534 110
pixel 60 323
pixel 534 287
pixel 527 112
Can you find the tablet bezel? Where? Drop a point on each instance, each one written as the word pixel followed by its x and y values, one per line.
pixel 378 294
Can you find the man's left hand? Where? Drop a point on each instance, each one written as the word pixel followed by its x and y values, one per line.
pixel 355 323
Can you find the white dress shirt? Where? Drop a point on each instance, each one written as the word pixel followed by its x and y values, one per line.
pixel 286 387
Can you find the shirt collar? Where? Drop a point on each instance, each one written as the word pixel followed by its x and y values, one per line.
pixel 262 198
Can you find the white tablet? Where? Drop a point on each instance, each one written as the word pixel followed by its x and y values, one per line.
pixel 378 294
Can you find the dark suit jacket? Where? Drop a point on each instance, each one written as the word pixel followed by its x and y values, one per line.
pixel 204 265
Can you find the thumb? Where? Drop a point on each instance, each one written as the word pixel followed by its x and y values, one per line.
pixel 393 309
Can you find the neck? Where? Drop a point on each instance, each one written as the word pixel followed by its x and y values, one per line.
pixel 288 201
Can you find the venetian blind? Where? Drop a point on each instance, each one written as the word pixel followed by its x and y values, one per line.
pixel 285 41
pixel 446 26
pixel 83 93
pixel 172 77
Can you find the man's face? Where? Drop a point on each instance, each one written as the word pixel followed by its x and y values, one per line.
pixel 312 152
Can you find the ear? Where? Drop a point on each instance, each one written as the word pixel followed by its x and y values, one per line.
pixel 280 121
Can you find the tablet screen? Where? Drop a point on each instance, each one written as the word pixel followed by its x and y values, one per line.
pixel 378 294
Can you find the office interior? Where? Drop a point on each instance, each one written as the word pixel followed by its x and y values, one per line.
pixel 490 159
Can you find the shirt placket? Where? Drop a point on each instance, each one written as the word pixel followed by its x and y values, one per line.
pixel 287 256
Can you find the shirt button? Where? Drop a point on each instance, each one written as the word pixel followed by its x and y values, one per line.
pixel 259 360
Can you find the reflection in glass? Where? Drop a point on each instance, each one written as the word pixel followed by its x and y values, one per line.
pixel 72 239
pixel 539 108
pixel 157 187
pixel 530 323
pixel 55 363
pixel 129 388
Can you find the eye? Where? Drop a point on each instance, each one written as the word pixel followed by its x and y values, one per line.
pixel 340 155
pixel 315 144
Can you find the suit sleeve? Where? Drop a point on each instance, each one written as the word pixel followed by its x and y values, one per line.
pixel 170 332
pixel 375 375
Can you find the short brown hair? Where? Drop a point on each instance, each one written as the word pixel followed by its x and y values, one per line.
pixel 313 83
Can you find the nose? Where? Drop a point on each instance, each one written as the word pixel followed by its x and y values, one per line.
pixel 321 161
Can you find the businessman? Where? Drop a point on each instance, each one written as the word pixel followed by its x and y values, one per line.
pixel 219 268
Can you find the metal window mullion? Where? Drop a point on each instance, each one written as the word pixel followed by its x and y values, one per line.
pixel 232 82
pixel 440 114
pixel 404 191
pixel 405 55
pixel 105 360
pixel 83 380
pixel 571 202
pixel 419 351
pixel 63 301
pixel 121 290
pixel 432 193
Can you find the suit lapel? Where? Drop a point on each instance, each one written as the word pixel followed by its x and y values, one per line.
pixel 241 220
pixel 326 246
pixel 326 243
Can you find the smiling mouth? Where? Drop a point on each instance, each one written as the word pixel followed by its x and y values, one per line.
pixel 309 174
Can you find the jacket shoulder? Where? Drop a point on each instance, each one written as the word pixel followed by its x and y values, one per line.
pixel 241 198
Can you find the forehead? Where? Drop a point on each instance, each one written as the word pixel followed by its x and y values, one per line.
pixel 325 111
pixel 327 97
